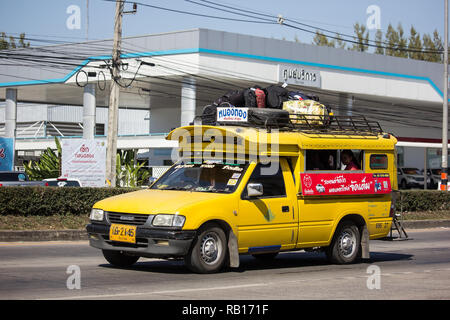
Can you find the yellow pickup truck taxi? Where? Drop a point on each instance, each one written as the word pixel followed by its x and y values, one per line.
pixel 260 191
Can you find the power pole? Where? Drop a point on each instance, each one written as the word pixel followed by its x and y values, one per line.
pixel 111 147
pixel 87 20
pixel 444 170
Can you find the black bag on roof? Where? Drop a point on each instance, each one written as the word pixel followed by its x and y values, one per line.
pixel 298 95
pixel 234 97
pixel 250 98
pixel 275 96
pixel 262 117
pixel 209 115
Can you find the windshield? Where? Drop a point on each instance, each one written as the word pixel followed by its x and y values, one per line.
pixel 202 177
pixel 13 176
pixel 411 171
pixel 436 171
pixel 63 183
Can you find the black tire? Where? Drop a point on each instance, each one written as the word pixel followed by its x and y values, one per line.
pixel 403 184
pixel 209 251
pixel 346 244
pixel 119 258
pixel 265 256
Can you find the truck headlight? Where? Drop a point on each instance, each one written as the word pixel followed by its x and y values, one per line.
pixel 168 220
pixel 97 214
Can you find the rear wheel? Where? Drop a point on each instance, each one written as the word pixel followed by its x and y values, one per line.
pixel 119 258
pixel 209 251
pixel 346 244
pixel 403 184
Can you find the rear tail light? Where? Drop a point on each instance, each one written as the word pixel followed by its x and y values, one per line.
pixel 392 210
pixel 46 184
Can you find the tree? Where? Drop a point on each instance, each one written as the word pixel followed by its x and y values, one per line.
pixel 128 172
pixel 379 42
pixel 415 43
pixel 438 45
pixel 402 43
pixel 10 43
pixel 321 40
pixel 429 45
pixel 338 42
pixel 48 166
pixel 392 39
pixel 362 35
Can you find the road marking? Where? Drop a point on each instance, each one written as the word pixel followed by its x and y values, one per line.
pixel 157 292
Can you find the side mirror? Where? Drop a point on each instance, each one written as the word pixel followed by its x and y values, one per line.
pixel 255 190
pixel 151 180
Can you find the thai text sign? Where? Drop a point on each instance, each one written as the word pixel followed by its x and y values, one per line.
pixel 85 160
pixel 316 184
pixel 232 114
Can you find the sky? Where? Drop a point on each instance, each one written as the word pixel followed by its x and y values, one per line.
pixel 47 19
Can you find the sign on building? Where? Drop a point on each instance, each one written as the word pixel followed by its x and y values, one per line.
pixel 298 75
pixel 6 154
pixel 84 159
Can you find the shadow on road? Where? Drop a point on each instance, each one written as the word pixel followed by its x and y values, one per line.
pixel 288 260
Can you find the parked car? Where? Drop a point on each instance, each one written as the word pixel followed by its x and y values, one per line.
pixel 63 182
pixel 435 177
pixel 410 178
pixel 17 179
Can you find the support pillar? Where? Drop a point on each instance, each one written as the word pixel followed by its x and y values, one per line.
pixel 188 101
pixel 345 105
pixel 11 113
pixel 89 111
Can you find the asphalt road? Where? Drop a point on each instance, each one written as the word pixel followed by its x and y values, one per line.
pixel 413 269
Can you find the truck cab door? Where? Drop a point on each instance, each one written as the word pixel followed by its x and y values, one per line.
pixel 269 222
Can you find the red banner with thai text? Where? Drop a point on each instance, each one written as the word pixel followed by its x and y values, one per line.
pixel 318 184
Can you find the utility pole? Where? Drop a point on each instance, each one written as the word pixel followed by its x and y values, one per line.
pixel 87 20
pixel 444 170
pixel 111 147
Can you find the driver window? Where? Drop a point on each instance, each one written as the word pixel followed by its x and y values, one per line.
pixel 273 184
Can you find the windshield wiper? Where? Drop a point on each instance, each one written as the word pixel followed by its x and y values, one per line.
pixel 175 188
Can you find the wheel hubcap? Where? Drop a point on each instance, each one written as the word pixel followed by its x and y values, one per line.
pixel 347 244
pixel 210 249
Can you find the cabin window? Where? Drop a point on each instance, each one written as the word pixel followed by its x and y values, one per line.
pixel 334 160
pixel 378 161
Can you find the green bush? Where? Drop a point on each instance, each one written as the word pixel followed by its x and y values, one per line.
pixel 48 201
pixel 422 200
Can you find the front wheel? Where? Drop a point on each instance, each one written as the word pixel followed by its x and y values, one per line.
pixel 209 251
pixel 119 258
pixel 346 244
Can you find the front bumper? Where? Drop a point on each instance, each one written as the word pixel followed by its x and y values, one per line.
pixel 151 243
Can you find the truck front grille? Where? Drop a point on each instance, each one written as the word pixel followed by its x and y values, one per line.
pixel 127 218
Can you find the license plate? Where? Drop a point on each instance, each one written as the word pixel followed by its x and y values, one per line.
pixel 122 233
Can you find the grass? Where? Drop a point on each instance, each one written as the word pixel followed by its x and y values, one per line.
pixel 57 222
pixel 426 215
pixel 65 222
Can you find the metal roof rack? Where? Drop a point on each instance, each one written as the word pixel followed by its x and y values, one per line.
pixel 307 123
pixel 334 125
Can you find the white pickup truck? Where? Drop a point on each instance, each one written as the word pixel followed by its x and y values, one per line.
pixel 18 179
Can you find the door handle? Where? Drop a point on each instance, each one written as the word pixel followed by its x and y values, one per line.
pixel 285 209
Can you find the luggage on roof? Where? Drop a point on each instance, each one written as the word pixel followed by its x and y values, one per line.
pixel 313 112
pixel 275 96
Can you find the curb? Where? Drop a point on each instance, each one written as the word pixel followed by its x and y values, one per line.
pixel 425 224
pixel 42 235
pixel 77 235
